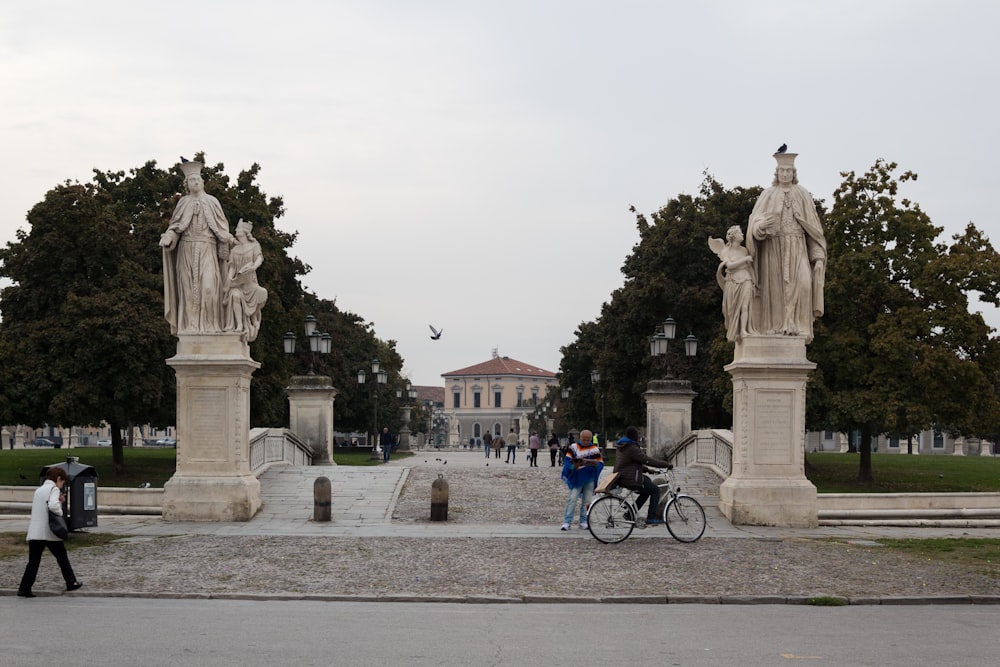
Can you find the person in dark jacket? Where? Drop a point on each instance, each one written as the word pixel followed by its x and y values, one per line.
pixel 630 464
pixel 386 441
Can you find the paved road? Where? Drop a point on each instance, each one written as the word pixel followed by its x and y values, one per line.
pixel 189 632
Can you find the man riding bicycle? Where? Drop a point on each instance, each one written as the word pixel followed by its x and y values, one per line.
pixel 630 464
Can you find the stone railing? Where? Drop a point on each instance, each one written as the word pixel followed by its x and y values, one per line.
pixel 269 446
pixel 712 448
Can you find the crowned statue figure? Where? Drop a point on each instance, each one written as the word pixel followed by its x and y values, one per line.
pixel 786 241
pixel 195 249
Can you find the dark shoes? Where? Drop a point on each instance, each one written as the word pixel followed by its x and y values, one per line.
pixel 74 586
pixel 654 522
pixel 25 594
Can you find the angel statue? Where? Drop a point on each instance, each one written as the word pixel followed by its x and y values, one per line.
pixel 737 282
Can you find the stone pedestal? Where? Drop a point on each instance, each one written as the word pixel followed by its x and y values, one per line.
pixel 213 481
pixel 768 486
pixel 668 414
pixel 310 414
pixel 19 439
pixel 403 443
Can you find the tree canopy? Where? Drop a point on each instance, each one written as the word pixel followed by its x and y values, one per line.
pixel 898 350
pixel 83 339
pixel 669 273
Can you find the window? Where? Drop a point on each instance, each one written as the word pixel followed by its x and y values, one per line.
pixel 496 399
pixel 477 430
pixel 894 442
pixel 938 439
pixel 477 400
pixel 456 400
pixel 520 398
pixel 828 435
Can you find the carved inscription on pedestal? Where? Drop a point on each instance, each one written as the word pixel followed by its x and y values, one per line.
pixel 207 411
pixel 773 427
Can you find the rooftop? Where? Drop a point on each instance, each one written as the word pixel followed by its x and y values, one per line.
pixel 502 366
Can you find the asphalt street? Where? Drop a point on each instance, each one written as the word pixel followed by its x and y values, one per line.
pixel 124 631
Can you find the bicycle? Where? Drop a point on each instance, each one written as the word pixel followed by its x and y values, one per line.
pixel 611 518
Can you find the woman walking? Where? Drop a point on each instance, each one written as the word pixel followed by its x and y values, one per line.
pixel 48 498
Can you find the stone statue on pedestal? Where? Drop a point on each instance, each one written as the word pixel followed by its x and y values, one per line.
pixel 738 282
pixel 244 298
pixel 785 239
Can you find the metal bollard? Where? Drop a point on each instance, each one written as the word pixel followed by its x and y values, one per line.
pixel 439 499
pixel 321 499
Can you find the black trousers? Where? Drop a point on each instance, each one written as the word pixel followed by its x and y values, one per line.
pixel 35 550
pixel 651 491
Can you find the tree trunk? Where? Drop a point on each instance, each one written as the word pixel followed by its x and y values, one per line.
pixel 865 449
pixel 117 448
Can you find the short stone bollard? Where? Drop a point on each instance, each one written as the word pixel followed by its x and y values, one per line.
pixel 439 499
pixel 321 499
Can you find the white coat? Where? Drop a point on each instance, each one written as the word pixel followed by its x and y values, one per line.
pixel 46 498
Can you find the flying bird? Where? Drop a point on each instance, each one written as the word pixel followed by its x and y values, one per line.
pixel 435 334
pixel 782 148
pixel 184 159
pixel 632 208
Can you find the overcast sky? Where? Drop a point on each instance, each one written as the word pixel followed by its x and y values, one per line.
pixel 471 164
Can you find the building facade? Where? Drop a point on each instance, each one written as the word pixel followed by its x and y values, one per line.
pixel 494 396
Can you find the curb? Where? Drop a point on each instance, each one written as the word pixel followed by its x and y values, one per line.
pixel 745 600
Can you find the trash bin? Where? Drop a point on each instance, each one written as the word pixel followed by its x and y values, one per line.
pixel 80 508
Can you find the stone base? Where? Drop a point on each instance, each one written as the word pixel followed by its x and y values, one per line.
pixel 769 502
pixel 210 498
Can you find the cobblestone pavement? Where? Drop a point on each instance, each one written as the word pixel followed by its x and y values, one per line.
pixel 407 559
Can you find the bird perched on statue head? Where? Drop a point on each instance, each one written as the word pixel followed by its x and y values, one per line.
pixel 782 148
pixel 184 159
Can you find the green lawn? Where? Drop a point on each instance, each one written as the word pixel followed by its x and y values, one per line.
pixel 901 473
pixel 146 464
pixel 830 472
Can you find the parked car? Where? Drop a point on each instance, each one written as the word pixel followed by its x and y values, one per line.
pixel 166 442
pixel 106 442
pixel 45 442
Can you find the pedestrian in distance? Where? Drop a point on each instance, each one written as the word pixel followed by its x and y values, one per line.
pixel 533 444
pixel 487 443
pixel 553 449
pixel 581 470
pixel 48 498
pixel 511 447
pixel 497 445
pixel 385 441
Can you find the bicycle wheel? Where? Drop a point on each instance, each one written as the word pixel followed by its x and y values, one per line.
pixel 685 519
pixel 610 519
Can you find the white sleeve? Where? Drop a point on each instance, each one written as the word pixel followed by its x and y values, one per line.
pixel 54 504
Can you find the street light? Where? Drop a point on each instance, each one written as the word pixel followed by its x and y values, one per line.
pixel 595 380
pixel 319 343
pixel 659 345
pixel 381 377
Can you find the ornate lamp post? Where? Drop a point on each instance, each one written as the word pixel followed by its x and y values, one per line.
pixel 311 396
pixel 404 430
pixel 595 380
pixel 380 377
pixel 659 345
pixel 319 343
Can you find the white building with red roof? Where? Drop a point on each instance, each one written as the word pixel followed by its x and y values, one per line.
pixel 493 396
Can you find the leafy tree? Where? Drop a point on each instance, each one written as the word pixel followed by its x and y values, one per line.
pixel 898 350
pixel 83 339
pixel 670 273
